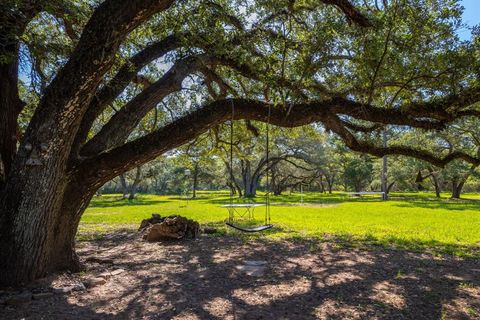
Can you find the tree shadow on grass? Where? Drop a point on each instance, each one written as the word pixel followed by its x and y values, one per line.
pixel 304 280
pixel 124 202
pixel 458 205
pixel 297 200
pixel 433 247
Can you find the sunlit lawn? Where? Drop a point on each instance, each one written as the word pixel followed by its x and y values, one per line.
pixel 408 220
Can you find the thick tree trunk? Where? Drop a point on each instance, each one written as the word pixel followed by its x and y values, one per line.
pixel 232 182
pixel 274 183
pixel 136 182
pixel 277 191
pixel 322 186
pixel 437 191
pixel 330 182
pixel 36 242
pixel 357 186
pixel 76 200
pixel 29 209
pixel 250 189
pixel 390 186
pixel 330 187
pixel 457 188
pixel 434 179
pixel 250 179
pixel 457 184
pixel 129 191
pixel 32 197
pixel 277 186
pixel 39 213
pixel 10 107
pixel 239 191
pixel 123 183
pixel 12 27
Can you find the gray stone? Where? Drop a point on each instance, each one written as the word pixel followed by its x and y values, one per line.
pixel 253 271
pixel 106 275
pixel 116 272
pixel 42 295
pixel 68 289
pixel 79 287
pixel 93 282
pixel 18 299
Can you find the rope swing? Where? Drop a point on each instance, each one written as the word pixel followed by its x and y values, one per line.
pixel 249 207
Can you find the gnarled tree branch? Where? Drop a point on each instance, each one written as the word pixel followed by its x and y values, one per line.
pixel 120 81
pixel 134 153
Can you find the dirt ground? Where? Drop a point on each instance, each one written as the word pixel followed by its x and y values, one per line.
pixel 200 279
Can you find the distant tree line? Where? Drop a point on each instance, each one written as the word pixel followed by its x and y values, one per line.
pixel 300 159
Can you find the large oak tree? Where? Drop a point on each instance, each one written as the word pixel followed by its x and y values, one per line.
pixel 352 67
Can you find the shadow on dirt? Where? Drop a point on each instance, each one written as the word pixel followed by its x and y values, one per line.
pixel 305 279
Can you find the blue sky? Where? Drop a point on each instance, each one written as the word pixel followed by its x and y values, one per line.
pixel 471 15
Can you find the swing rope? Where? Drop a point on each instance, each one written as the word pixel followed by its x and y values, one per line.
pixel 267 224
pixel 232 183
pixel 267 156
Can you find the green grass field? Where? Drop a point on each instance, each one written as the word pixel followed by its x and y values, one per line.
pixel 415 221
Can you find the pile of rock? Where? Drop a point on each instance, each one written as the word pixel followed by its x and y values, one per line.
pixel 169 228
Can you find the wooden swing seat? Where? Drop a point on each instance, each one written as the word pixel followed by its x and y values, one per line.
pixel 253 229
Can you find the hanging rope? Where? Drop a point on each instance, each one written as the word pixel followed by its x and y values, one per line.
pixel 267 187
pixel 230 221
pixel 232 183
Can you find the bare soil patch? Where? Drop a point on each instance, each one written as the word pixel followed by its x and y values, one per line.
pixel 200 279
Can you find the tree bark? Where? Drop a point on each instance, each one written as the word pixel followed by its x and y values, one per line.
pixel 10 107
pixel 124 184
pixel 457 187
pixel 322 186
pixel 136 182
pixel 32 198
pixel 458 183
pixel 390 186
pixel 13 26
pixel 434 179
pixel 33 246
pixel 250 179
pixel 330 182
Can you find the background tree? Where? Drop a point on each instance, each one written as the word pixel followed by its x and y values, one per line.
pixel 129 189
pixel 359 172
